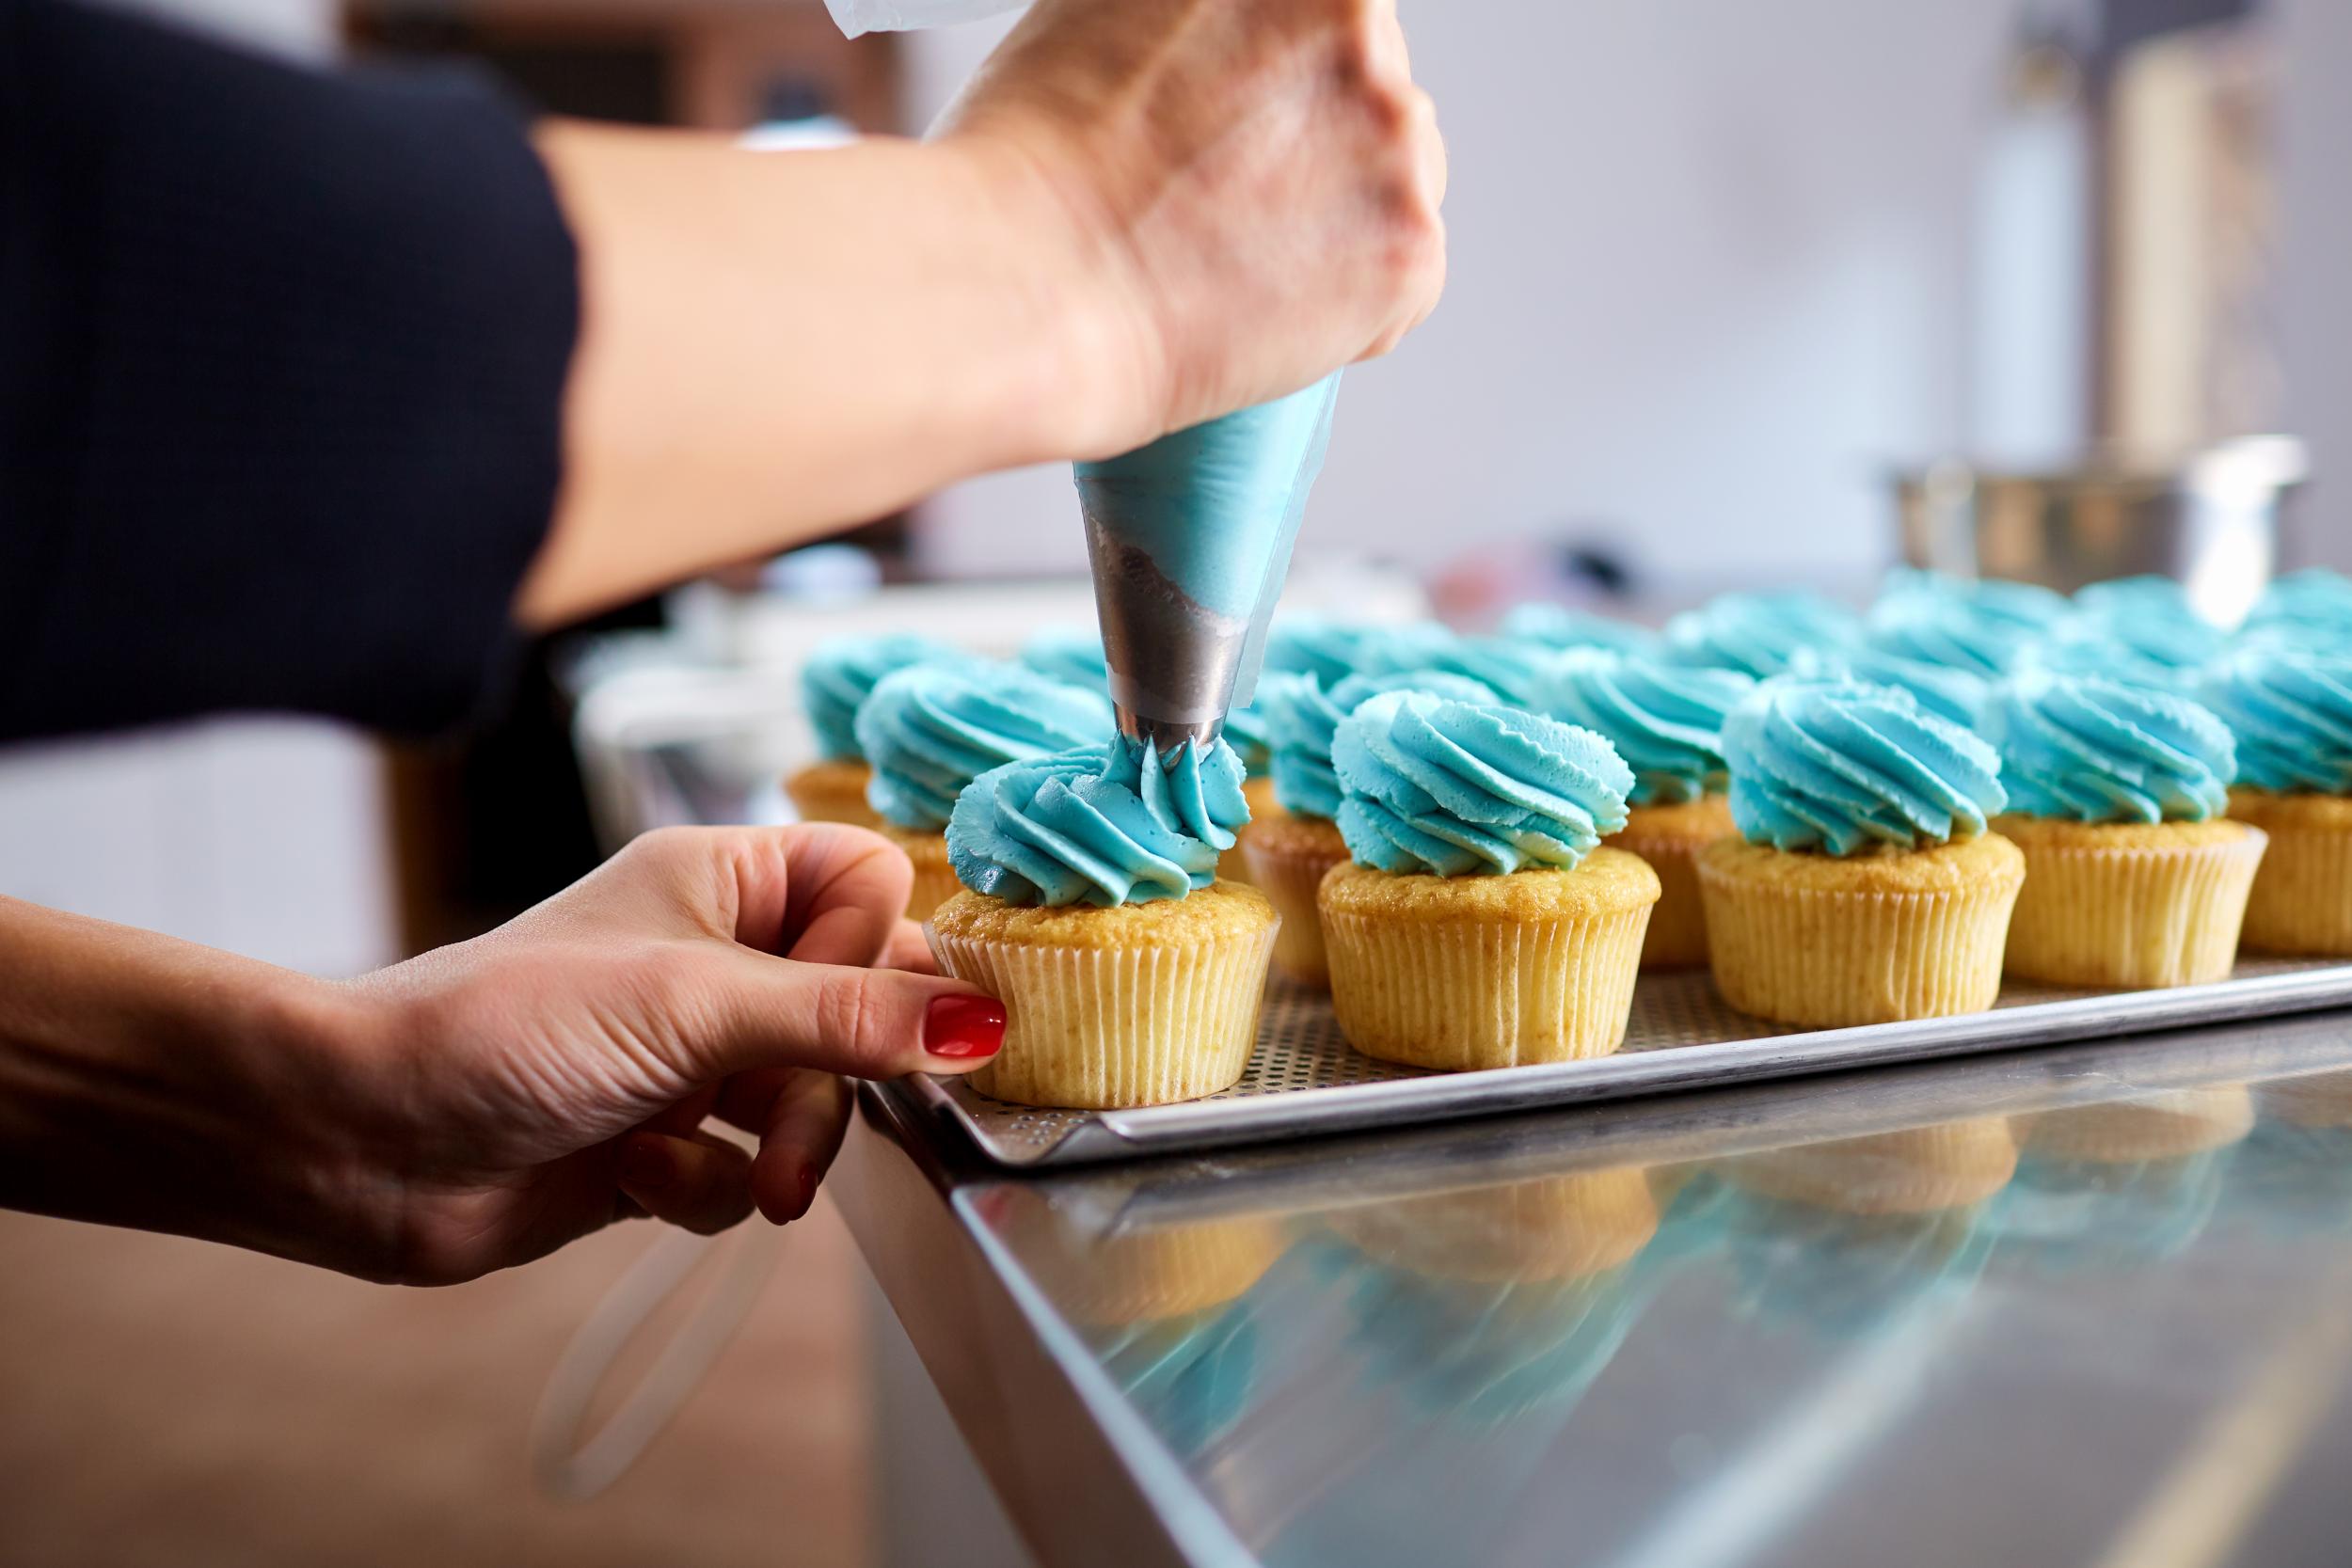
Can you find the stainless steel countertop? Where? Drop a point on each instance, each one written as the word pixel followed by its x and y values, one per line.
pixel 2082 1304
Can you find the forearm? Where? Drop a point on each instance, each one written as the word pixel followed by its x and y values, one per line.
pixel 151 1082
pixel 776 345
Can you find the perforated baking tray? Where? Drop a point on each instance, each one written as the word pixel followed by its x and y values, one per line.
pixel 1305 1079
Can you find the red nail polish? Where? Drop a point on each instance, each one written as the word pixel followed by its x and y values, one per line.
pixel 644 1163
pixel 964 1026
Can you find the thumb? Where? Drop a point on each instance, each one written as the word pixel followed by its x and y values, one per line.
pixel 766 1012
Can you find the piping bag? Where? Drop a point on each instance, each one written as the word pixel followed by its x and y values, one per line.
pixel 1189 539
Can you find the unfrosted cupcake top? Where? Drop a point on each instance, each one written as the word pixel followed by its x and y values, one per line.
pixel 1955 695
pixel 1558 627
pixel 2291 709
pixel 1979 628
pixel 1457 789
pixel 1071 655
pixel 843 672
pixel 1758 633
pixel 1302 714
pixel 1109 824
pixel 1666 721
pixel 931 729
pixel 2092 750
pixel 1841 766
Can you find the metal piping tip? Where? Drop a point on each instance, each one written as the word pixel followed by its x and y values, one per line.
pixel 1165 734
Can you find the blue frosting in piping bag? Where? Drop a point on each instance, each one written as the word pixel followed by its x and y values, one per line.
pixel 1189 539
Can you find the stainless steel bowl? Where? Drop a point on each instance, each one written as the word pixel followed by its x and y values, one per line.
pixel 2212 522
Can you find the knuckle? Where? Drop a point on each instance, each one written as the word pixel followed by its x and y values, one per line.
pixel 852 1014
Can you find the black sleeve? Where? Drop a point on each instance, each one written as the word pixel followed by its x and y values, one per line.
pixel 282 355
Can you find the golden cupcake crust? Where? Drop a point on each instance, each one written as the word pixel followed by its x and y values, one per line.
pixel 928 850
pixel 1218 910
pixel 1963 863
pixel 1300 837
pixel 1693 822
pixel 2057 833
pixel 2309 813
pixel 831 790
pixel 1259 792
pixel 1609 881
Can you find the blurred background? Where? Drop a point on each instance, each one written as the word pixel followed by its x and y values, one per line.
pixel 1722 270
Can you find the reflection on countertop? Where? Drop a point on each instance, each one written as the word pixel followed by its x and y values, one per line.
pixel 2073 1306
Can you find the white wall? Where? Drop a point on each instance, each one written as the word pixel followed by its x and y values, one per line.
pixel 1708 274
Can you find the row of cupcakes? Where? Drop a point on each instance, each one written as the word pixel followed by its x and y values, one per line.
pixel 1437 851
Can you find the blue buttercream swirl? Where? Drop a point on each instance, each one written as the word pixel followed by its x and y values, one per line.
pixel 2092 750
pixel 1302 715
pixel 1948 693
pixel 1953 631
pixel 1840 766
pixel 1252 739
pixel 2290 708
pixel 1459 788
pixel 842 672
pixel 931 729
pixel 1758 633
pixel 2026 607
pixel 1666 721
pixel 1557 627
pixel 1071 655
pixel 1110 824
pixel 2315 603
pixel 1309 645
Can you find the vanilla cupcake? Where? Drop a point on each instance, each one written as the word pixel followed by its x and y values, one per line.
pixel 930 730
pixel 1666 721
pixel 1130 976
pixel 2288 701
pixel 1478 922
pixel 1288 853
pixel 839 675
pixel 1864 887
pixel 2134 877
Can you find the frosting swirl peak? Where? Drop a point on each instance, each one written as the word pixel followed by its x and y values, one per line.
pixel 1434 784
pixel 1840 766
pixel 1758 633
pixel 1302 715
pixel 2095 750
pixel 1110 824
pixel 2291 709
pixel 1665 720
pixel 843 672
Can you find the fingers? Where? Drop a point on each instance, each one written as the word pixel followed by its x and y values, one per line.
pixel 910 950
pixel 699 1182
pixel 803 1128
pixel 849 892
pixel 764 1012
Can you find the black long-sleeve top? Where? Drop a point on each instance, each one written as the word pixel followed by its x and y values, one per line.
pixel 281 365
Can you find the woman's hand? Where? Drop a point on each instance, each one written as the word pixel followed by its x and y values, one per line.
pixel 1142 213
pixel 483 1104
pixel 1254 183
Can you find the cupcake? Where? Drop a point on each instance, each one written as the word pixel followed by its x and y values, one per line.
pixel 2289 704
pixel 838 677
pixel 1864 887
pixel 2133 876
pixel 2137 630
pixel 1556 627
pixel 930 730
pixel 1071 655
pixel 1954 695
pixel 1289 852
pixel 1130 976
pixel 1477 921
pixel 1980 629
pixel 1666 721
pixel 1758 633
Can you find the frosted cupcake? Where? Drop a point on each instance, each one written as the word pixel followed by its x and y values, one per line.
pixel 1071 655
pixel 2289 704
pixel 1558 628
pixel 1666 721
pixel 1478 922
pixel 1864 887
pixel 1980 627
pixel 1954 695
pixel 1129 975
pixel 1758 633
pixel 930 730
pixel 2137 630
pixel 1289 853
pixel 2133 876
pixel 838 678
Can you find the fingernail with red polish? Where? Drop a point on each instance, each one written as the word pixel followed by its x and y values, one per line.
pixel 644 1163
pixel 964 1026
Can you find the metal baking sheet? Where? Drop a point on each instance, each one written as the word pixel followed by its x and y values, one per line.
pixel 1305 1079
